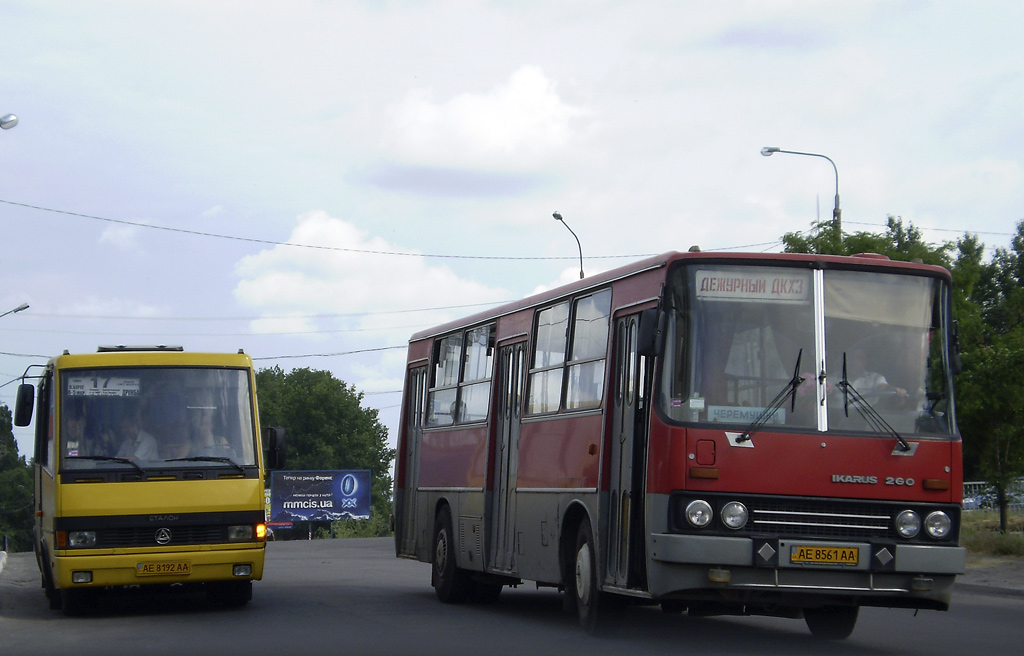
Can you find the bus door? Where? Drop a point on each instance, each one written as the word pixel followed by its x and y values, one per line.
pixel 511 374
pixel 628 454
pixel 411 455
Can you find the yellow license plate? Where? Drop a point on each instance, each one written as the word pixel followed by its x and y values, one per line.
pixel 811 555
pixel 164 568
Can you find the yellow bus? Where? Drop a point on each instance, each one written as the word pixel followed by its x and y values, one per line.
pixel 148 471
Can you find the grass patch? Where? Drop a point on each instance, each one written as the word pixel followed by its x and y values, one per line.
pixel 979 533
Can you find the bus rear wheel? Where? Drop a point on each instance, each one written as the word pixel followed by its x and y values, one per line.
pixel 450 583
pixel 831 622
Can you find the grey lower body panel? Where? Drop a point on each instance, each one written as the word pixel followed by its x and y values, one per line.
pixel 734 569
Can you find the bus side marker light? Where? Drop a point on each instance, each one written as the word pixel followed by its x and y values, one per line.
pixel 719 575
pixel 940 484
pixel 708 473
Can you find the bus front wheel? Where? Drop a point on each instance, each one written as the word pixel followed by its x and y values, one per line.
pixel 450 583
pixel 584 575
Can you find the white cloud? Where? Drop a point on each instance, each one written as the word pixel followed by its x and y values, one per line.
pixel 124 237
pixel 515 124
pixel 363 287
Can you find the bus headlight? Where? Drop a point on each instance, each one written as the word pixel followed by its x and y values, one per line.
pixel 81 539
pixel 908 524
pixel 734 515
pixel 240 533
pixel 699 513
pixel 938 525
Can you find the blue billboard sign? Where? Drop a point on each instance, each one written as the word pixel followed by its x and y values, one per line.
pixel 319 496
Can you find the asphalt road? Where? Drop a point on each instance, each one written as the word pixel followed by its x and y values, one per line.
pixel 355 597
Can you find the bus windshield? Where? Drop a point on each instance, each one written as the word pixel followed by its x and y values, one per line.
pixel 835 350
pixel 156 417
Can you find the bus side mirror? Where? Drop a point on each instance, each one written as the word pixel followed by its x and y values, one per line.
pixel 273 448
pixel 649 332
pixel 23 405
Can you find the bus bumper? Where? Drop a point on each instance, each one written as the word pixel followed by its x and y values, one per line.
pixel 102 570
pixel 901 575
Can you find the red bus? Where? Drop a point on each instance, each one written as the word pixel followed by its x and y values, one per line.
pixel 717 433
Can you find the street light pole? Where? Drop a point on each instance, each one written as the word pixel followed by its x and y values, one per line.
pixel 23 306
pixel 837 215
pixel 558 217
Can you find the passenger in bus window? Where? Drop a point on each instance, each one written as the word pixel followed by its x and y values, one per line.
pixel 137 444
pixel 208 443
pixel 869 383
pixel 74 426
pixel 104 442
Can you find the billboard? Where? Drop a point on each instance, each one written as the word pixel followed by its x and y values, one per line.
pixel 319 496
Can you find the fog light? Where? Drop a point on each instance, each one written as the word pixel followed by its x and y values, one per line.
pixel 938 524
pixel 242 570
pixel 81 577
pixel 699 513
pixel 240 533
pixel 908 524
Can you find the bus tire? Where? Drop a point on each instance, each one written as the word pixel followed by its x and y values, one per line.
pixel 450 583
pixel 831 622
pixel 584 578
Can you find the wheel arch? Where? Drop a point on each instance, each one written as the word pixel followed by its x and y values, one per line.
pixel 575 514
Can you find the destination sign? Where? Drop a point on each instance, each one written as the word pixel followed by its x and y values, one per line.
pixel 768 286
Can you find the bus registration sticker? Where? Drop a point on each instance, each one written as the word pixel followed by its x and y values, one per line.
pixel 165 568
pixel 802 554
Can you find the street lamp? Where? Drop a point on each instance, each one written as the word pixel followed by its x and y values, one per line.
pixel 558 217
pixel 837 220
pixel 23 306
pixel 8 122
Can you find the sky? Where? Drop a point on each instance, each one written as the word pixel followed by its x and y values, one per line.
pixel 314 181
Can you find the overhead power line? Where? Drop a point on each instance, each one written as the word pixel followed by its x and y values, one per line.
pixel 270 242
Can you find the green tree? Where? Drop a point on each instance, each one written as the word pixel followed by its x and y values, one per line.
pixel 991 386
pixel 897 243
pixel 15 489
pixel 327 428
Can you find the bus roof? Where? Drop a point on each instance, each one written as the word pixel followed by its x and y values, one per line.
pixel 156 358
pixel 865 260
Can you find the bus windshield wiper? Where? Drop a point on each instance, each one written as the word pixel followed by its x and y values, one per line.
pixel 127 461
pixel 866 410
pixel 208 458
pixel 787 392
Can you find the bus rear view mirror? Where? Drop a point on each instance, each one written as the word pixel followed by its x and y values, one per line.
pixel 273 448
pixel 23 405
pixel 649 332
